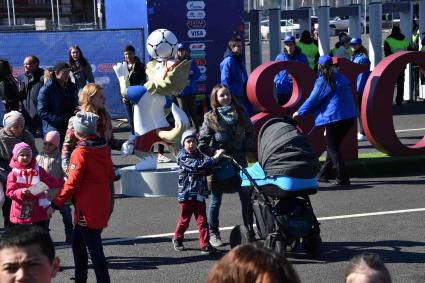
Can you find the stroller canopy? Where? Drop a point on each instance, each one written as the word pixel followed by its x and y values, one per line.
pixel 282 150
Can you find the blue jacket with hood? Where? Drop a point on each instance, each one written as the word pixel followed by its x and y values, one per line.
pixel 233 73
pixel 283 80
pixel 361 58
pixel 330 106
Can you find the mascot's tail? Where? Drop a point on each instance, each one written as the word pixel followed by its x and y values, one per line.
pixel 173 136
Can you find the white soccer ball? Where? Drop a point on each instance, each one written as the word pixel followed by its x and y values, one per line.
pixel 161 44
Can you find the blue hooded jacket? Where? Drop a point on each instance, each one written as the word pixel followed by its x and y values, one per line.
pixel 361 58
pixel 233 73
pixel 330 106
pixel 283 80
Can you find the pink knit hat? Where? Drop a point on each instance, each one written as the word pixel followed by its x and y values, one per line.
pixel 53 137
pixel 20 147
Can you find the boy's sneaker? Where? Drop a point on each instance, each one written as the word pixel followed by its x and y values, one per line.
pixel 215 240
pixel 178 245
pixel 207 250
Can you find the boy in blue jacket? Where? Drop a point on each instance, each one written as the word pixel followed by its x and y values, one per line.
pixel 193 190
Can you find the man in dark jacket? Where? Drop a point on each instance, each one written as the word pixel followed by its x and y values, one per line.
pixel 233 72
pixel 57 101
pixel 394 43
pixel 136 76
pixel 33 81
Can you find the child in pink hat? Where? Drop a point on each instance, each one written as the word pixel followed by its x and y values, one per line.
pixel 50 160
pixel 26 186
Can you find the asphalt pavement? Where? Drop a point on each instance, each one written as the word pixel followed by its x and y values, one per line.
pixel 383 214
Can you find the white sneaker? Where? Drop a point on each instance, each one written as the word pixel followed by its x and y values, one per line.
pixel 215 240
pixel 361 137
pixel 163 159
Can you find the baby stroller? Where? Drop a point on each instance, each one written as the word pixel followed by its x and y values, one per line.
pixel 280 185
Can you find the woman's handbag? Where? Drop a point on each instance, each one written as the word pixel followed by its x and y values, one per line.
pixel 225 173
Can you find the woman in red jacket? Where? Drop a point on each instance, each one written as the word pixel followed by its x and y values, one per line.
pixel 90 174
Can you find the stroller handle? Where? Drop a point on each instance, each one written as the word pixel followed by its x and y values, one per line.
pixel 254 184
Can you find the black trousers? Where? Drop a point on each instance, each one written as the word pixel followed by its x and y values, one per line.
pixel 400 88
pixel 188 104
pixel 335 133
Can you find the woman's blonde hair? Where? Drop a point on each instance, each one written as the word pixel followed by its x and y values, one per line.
pixel 88 92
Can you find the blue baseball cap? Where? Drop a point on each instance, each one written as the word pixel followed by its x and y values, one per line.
pixel 289 38
pixel 181 46
pixel 325 60
pixel 356 41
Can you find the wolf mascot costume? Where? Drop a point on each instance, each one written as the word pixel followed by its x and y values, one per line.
pixel 166 77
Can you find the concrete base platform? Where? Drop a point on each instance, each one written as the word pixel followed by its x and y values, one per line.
pixel 152 183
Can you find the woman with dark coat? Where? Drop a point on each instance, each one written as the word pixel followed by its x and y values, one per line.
pixel 81 71
pixel 12 92
pixel 228 127
pixel 332 103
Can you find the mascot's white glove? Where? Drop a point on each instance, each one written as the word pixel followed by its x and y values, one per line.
pixel 121 72
pixel 127 147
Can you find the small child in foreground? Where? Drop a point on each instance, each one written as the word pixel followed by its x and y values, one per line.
pixel 193 190
pixel 26 186
pixel 367 268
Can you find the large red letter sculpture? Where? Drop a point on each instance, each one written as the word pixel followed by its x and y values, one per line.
pixel 377 104
pixel 260 94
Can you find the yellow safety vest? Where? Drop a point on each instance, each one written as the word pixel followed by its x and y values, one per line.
pixel 415 38
pixel 310 50
pixel 397 45
pixel 423 48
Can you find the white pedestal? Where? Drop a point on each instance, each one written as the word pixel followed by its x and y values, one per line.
pixel 153 183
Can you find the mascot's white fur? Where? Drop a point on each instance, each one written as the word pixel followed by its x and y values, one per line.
pixel 166 77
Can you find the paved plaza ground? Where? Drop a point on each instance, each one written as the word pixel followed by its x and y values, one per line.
pixel 384 214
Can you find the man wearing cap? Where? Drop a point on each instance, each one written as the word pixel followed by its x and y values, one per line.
pixel 283 80
pixel 57 101
pixel 332 104
pixel 187 98
pixel 360 57
pixel 394 43
pixel 33 81
pixel 233 72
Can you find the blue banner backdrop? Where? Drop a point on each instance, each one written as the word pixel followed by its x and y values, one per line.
pixel 204 26
pixel 102 49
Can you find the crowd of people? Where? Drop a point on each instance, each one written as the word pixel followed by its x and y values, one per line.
pixel 67 108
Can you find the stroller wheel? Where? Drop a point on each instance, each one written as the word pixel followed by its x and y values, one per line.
pixel 275 242
pixel 312 245
pixel 239 236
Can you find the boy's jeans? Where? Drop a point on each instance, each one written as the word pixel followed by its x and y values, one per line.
pixel 85 238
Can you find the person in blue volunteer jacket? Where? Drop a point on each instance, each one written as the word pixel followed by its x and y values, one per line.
pixel 332 103
pixel 283 80
pixel 360 57
pixel 233 73
pixel 187 98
